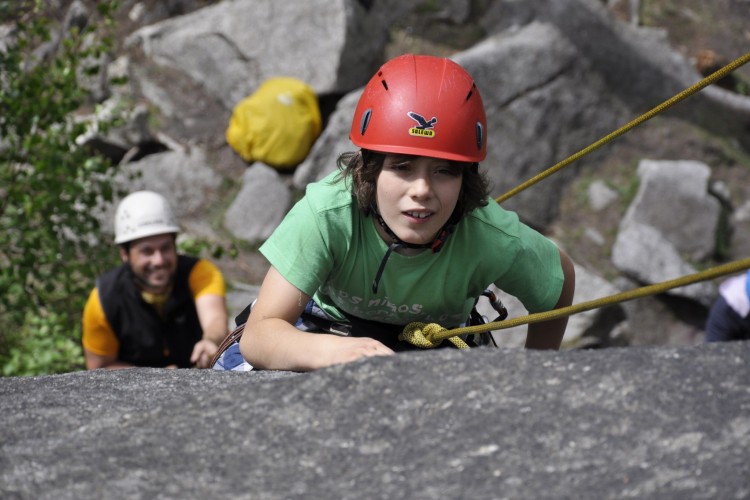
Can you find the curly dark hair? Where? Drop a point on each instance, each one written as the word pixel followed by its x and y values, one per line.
pixel 363 168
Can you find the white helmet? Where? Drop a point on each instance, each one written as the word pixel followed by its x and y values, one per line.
pixel 142 214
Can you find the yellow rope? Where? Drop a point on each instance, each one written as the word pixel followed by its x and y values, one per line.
pixel 428 335
pixel 644 117
pixel 437 333
pixel 423 335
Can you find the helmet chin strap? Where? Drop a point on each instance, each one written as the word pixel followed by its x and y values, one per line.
pixel 436 244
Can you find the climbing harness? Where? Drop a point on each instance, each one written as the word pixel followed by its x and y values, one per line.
pixel 234 336
pixel 428 335
pixel 315 320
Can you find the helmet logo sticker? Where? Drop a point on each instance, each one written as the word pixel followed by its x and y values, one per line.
pixel 424 127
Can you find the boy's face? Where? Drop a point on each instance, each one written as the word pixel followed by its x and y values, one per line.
pixel 416 195
pixel 153 260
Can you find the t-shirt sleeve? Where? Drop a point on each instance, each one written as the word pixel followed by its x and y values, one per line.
pixel 298 248
pixel 98 336
pixel 206 278
pixel 535 276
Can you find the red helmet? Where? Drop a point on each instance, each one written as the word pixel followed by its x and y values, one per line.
pixel 424 106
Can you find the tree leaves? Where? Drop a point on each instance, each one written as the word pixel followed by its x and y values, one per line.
pixel 52 191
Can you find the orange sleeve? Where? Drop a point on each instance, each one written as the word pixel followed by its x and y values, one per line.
pixel 205 278
pixel 98 336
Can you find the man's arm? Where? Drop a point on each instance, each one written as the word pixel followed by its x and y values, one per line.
pixel 212 314
pixel 208 288
pixel 549 334
pixel 94 361
pixel 98 336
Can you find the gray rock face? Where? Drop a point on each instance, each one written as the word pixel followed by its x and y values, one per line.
pixel 259 206
pixel 333 45
pixel 247 41
pixel 619 50
pixel 513 95
pixel 184 178
pixel 588 327
pixel 674 198
pixel 640 251
pixel 672 214
pixel 615 423
pixel 332 142
pixel 554 77
pixel 600 195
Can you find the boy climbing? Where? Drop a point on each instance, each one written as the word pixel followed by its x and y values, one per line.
pixel 404 232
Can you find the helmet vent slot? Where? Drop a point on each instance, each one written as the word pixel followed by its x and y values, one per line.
pixel 480 136
pixel 385 84
pixel 365 121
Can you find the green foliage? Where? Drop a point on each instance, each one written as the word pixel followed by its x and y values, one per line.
pixel 43 345
pixel 51 192
pixel 428 7
pixel 743 87
pixel 205 248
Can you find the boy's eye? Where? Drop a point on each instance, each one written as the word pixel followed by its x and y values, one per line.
pixel 400 166
pixel 451 171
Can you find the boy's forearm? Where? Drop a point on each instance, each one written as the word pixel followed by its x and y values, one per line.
pixel 546 335
pixel 549 334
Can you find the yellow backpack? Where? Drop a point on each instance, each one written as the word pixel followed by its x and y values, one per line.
pixel 277 124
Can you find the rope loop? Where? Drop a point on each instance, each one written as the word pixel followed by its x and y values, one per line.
pixel 423 335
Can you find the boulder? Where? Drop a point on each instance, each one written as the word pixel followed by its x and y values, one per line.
pixel 641 252
pixel 260 205
pixel 585 329
pixel 600 195
pixel 185 178
pixel 544 101
pixel 673 215
pixel 620 50
pixel 225 51
pixel 673 198
pixel 487 423
pixel 333 141
pixel 665 319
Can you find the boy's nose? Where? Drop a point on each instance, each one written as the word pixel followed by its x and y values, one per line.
pixel 421 186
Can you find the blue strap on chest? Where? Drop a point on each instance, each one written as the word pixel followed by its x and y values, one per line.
pixel 747 285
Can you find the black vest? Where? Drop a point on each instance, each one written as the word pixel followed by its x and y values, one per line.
pixel 145 338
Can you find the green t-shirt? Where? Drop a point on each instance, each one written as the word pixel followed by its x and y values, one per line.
pixel 329 250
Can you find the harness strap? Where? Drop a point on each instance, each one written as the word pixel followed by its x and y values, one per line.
pixel 234 336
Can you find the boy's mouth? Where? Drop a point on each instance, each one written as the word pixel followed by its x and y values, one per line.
pixel 418 215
